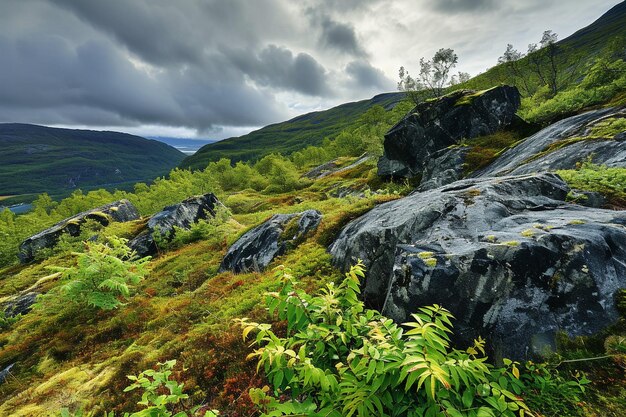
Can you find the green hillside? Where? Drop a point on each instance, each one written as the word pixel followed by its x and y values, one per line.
pixel 575 55
pixel 595 36
pixel 289 136
pixel 38 159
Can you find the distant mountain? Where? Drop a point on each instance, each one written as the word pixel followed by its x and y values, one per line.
pixel 37 159
pixel 186 146
pixel 610 25
pixel 289 136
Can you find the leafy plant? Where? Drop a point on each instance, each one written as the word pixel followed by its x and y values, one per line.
pixel 161 395
pixel 7 321
pixel 103 274
pixel 340 359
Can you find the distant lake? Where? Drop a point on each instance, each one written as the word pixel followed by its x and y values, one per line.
pixel 18 208
pixel 186 146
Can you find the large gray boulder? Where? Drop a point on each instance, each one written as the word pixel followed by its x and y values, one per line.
pixel 437 124
pixel 257 248
pixel 444 167
pixel 562 145
pixel 181 215
pixel 508 256
pixel 118 211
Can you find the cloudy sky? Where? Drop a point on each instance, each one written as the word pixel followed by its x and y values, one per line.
pixel 218 68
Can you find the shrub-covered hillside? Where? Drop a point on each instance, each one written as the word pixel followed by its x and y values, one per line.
pixel 289 136
pixel 257 304
pixel 38 159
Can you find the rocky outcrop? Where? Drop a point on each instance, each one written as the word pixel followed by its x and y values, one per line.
pixel 119 211
pixel 258 247
pixel 21 304
pixel 333 167
pixel 444 167
pixel 181 215
pixel 507 256
pixel 322 170
pixel 437 124
pixel 562 145
pixel 4 374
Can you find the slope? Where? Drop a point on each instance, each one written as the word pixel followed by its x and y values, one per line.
pixel 577 51
pixel 37 159
pixel 289 136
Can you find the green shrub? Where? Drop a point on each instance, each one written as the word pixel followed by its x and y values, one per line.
pixel 102 274
pixel 598 178
pixel 162 396
pixel 210 228
pixel 339 359
pixel 7 321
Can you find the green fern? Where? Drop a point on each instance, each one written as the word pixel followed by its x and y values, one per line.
pixel 103 274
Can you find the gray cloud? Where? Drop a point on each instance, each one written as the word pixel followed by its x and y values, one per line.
pixel 336 35
pixel 347 5
pixel 278 67
pixel 341 37
pixel 454 6
pixel 364 75
pixel 211 65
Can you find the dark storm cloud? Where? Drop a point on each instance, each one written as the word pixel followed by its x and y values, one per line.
pixel 50 79
pixel 278 67
pixel 158 32
pixel 177 32
pixel 341 37
pixel 213 64
pixel 348 5
pixel 64 65
pixel 336 35
pixel 454 6
pixel 364 75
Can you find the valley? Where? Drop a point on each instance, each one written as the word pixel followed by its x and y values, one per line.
pixel 410 255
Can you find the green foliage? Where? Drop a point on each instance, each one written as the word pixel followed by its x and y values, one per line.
pixel 213 228
pixel 280 172
pixel 551 392
pixel 540 109
pixel 291 136
pixel 339 359
pixel 598 178
pixel 162 396
pixel 7 321
pixel 102 274
pixel 485 149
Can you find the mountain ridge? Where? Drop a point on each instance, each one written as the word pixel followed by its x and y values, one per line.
pixel 37 159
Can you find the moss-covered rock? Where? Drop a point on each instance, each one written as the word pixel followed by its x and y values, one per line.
pixel 435 125
pixel 258 247
pixel 119 211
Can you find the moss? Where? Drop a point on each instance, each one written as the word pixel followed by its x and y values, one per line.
pixel 468 99
pixel 607 181
pixel 609 127
pixel 430 262
pixel 483 150
pixel 99 216
pixel 425 255
pixel 576 222
pixel 511 243
pixel 528 233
